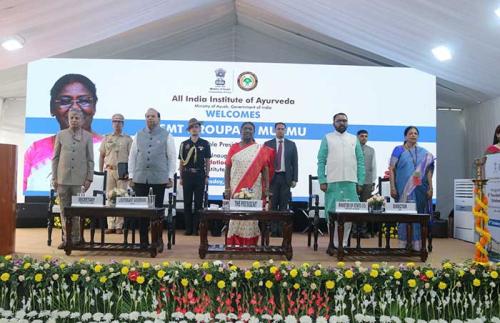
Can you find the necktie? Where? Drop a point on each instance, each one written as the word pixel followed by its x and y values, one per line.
pixel 278 159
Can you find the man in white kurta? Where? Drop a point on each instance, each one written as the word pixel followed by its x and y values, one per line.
pixel 341 166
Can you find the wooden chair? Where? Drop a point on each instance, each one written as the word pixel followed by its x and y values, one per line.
pixel 97 187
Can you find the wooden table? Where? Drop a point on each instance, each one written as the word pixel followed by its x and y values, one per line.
pixel 155 215
pixel 343 217
pixel 263 216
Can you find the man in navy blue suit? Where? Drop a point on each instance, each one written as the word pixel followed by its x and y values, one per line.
pixel 285 171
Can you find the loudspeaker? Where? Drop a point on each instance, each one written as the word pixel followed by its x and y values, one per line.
pixel 32 215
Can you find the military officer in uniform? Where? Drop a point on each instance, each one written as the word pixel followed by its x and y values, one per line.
pixel 194 167
pixel 115 149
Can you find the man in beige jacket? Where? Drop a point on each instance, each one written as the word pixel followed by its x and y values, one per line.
pixel 115 149
pixel 72 167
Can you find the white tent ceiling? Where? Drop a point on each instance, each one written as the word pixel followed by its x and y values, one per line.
pixel 355 32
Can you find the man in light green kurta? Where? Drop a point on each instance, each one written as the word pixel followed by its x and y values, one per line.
pixel 341 165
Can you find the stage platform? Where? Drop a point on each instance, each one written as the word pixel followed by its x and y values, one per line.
pixel 33 242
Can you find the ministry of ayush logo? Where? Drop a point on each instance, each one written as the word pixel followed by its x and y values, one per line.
pixel 247 81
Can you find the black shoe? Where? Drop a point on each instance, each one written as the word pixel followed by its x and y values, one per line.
pixel 144 246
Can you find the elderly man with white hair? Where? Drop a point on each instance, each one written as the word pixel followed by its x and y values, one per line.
pixel 72 167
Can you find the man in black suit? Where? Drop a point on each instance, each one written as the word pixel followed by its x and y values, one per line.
pixel 285 171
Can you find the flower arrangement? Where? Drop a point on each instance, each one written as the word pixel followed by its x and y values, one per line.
pixel 116 192
pixel 245 194
pixel 215 291
pixel 376 202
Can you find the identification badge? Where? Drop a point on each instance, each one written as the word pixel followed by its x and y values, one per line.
pixel 416 178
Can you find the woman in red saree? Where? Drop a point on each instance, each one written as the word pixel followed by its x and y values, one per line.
pixel 495 148
pixel 247 167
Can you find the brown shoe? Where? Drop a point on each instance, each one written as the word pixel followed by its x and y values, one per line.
pixel 108 231
pixel 119 231
pixel 61 246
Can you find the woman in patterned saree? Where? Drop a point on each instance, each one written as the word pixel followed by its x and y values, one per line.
pixel 412 168
pixel 247 167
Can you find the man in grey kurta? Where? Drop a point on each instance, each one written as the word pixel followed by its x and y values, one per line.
pixel 341 166
pixel 151 164
pixel 72 168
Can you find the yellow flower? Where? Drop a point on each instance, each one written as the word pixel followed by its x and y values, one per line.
pixel 348 274
pixel 126 262
pixel 97 268
pixel 165 264
pixel 82 260
pixel 184 282
pixel 367 288
pixel 269 284
pixel 412 283
pixel 296 286
pixel 476 282
pixel 305 265
pixel 273 269
pixel 461 273
pixel 233 268
pixel 442 285
pixel 140 280
pixel 187 265
pixel 429 274
pixel 38 277
pixel 284 263
pixel 375 266
pixel 5 277
pixel 208 278
pixel 26 266
pixel 410 264
pixel 317 273
pixel 494 274
pixel 447 265
pixel 160 273
pixel 248 274
pixel 62 265
pixel 397 274
pixel 221 284
pixel 146 265
pixel 256 264
pixel 293 273
pixel 124 270
pixel 74 277
pixel 341 264
pixel 205 265
pixel 103 279
pixel 329 284
pixel 8 257
pixel 374 273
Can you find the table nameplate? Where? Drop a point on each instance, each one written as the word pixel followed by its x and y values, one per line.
pixel 245 205
pixel 401 208
pixel 355 207
pixel 132 202
pixel 84 201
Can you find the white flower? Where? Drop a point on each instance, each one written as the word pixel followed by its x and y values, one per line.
pixel 64 314
pixel 87 316
pixel 409 320
pixel 87 279
pixel 195 282
pixel 217 263
pixel 178 315
pixel 313 286
pixel 290 319
pixel 83 272
pixel 108 316
pixel 266 317
pixel 97 316
pixel 321 319
pixel 245 316
pixel 189 315
pixel 21 278
pixel 220 316
pixel 253 319
pixel 277 318
pixel 305 319
pixel 134 316
pixel 233 284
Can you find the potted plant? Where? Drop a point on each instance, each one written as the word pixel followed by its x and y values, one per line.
pixel 376 204
pixel 114 193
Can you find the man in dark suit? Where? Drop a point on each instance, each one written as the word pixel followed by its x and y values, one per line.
pixel 285 171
